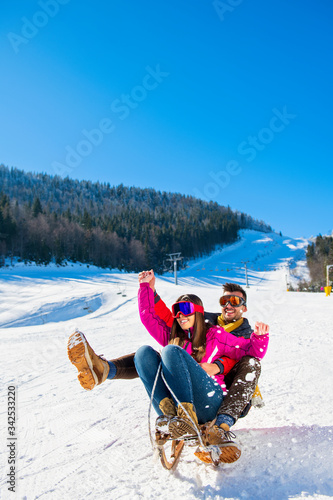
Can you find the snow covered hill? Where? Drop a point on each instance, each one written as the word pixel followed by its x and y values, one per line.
pixel 74 444
pixel 261 252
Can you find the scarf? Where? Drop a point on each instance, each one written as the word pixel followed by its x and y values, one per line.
pixel 229 327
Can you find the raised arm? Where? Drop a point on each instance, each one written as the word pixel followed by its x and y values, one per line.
pixel 157 328
pixel 234 347
pixel 161 308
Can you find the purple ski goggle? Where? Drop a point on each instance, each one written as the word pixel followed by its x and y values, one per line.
pixel 186 309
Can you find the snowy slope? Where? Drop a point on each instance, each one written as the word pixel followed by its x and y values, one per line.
pixel 74 444
pixel 261 252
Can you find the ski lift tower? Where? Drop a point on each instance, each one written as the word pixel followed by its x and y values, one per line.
pixel 174 257
pixel 246 278
pixel 328 288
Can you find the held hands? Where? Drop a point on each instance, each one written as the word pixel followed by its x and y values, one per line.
pixel 261 328
pixel 147 277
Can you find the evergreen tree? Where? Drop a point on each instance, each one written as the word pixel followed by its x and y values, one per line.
pixel 36 207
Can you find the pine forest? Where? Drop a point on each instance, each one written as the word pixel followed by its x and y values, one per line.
pixel 47 219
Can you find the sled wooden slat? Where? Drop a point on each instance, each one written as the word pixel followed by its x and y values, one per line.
pixel 176 449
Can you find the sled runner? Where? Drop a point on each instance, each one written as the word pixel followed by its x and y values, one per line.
pixel 170 452
pixel 175 452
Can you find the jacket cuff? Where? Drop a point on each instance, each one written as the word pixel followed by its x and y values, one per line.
pixel 219 363
pixel 156 297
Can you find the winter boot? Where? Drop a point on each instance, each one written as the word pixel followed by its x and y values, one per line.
pixel 93 369
pixel 185 424
pixel 222 438
pixel 168 408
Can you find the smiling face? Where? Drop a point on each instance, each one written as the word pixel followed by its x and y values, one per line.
pixel 230 313
pixel 186 322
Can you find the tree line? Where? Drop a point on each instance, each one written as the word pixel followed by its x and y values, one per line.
pixel 46 218
pixel 319 255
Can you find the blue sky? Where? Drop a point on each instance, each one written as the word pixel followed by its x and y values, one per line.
pixel 229 101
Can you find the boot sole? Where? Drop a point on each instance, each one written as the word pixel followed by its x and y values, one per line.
pixel 181 428
pixel 78 355
pixel 229 453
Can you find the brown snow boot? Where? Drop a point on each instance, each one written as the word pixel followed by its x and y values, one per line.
pixel 93 369
pixel 168 408
pixel 223 440
pixel 185 424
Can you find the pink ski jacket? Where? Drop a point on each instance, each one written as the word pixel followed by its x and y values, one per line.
pixel 219 343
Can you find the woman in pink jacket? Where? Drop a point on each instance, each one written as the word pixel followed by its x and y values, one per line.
pixel 185 395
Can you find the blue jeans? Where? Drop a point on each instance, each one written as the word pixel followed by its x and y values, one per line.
pixel 185 377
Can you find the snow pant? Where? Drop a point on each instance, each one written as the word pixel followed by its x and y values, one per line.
pixel 183 375
pixel 241 382
pixel 124 367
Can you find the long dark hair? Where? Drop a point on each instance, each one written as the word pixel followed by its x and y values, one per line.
pixel 199 329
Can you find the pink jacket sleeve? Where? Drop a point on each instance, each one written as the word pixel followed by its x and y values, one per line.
pixel 257 347
pixel 223 343
pixel 155 325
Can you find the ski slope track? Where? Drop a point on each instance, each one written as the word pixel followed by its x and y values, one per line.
pixel 75 444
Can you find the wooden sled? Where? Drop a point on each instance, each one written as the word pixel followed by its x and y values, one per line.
pixel 175 452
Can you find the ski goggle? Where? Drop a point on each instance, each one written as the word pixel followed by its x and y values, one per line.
pixel 233 300
pixel 186 309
